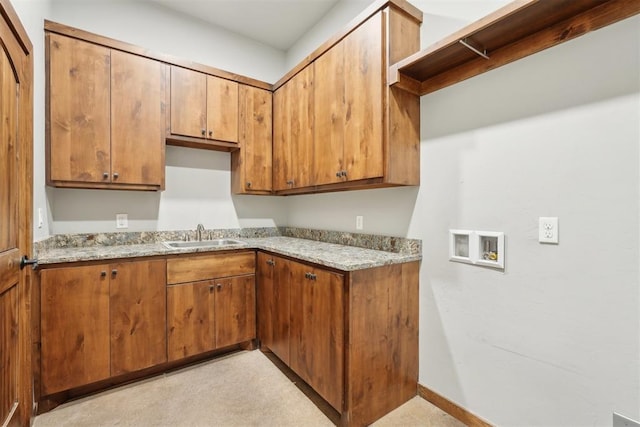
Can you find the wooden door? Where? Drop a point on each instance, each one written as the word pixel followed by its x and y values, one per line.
pixel 190 319
pixel 137 119
pixel 364 81
pixel 330 117
pixel 138 315
pixel 16 145
pixel 235 313
pixel 293 132
pixel 74 326
pixel 317 330
pixel 251 165
pixel 188 103
pixel 78 110
pixel 222 109
pixel 273 304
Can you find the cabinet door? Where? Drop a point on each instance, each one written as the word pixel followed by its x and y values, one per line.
pixel 273 304
pixel 78 111
pixel 74 326
pixel 188 103
pixel 190 319
pixel 137 119
pixel 222 109
pixel 251 165
pixel 364 82
pixel 138 315
pixel 317 330
pixel 235 313
pixel 330 112
pixel 293 131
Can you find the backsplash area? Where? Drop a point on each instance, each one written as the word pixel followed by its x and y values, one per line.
pixel 398 245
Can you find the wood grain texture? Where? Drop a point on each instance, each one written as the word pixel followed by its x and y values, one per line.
pixel 74 326
pixel 451 408
pixel 137 119
pixel 19 50
pixel 54 27
pixel 79 110
pixel 273 304
pixel 9 166
pixel 513 32
pixel 293 132
pixel 383 341
pixel 317 330
pixel 252 164
pixel 235 311
pixel 9 361
pixel 137 315
pixel 222 109
pixel 364 74
pixel 188 103
pixel 209 266
pixel 330 113
pixel 190 319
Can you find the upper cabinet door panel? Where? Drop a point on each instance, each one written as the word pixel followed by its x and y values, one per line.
pixel 137 119
pixel 255 138
pixel 281 145
pixel 188 103
pixel 364 78
pixel 222 109
pixel 78 110
pixel 301 118
pixel 330 116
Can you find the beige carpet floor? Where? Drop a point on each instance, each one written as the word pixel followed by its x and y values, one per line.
pixel 241 389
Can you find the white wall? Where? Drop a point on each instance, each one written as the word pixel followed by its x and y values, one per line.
pixel 554 339
pixel 197 181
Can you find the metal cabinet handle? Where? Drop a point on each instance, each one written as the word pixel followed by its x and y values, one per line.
pixel 211 287
pixel 204 132
pixel 114 272
pixel 105 175
pixel 291 182
pixel 116 175
pixel 310 276
pixel 210 133
pixel 103 274
pixel 219 286
pixel 339 174
pixel 271 262
pixel 248 184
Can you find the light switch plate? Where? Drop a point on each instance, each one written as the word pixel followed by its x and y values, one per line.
pixel 359 222
pixel 122 220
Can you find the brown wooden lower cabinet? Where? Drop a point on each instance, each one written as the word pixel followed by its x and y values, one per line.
pixel 210 314
pixel 99 321
pixel 352 336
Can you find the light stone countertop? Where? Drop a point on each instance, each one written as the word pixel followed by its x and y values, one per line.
pixel 341 257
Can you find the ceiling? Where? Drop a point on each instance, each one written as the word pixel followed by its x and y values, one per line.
pixel 277 23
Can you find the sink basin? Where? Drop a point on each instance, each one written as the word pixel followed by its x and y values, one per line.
pixel 203 243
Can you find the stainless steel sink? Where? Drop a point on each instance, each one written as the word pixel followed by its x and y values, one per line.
pixel 203 243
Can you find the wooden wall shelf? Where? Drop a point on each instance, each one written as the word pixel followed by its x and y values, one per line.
pixel 519 29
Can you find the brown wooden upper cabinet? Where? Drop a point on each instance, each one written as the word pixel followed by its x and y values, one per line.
pixel 293 132
pixel 345 128
pixel 203 106
pixel 251 171
pixel 105 117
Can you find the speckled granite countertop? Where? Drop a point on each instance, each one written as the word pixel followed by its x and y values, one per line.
pixel 341 257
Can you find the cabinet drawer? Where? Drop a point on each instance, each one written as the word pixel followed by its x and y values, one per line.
pixel 204 267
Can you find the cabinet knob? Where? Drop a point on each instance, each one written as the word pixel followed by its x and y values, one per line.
pixel 116 175
pixel 210 133
pixel 103 274
pixel 204 132
pixel 219 286
pixel 339 174
pixel 291 182
pixel 114 272
pixel 105 175
pixel 248 185
pixel 211 287
pixel 271 262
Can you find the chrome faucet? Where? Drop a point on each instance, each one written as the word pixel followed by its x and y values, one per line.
pixel 199 230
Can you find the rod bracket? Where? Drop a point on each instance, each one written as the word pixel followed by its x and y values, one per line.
pixel 465 42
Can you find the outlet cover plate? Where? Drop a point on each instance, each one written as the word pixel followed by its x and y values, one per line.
pixel 122 220
pixel 548 229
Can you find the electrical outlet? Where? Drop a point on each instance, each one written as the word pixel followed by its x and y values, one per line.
pixel 359 222
pixel 122 220
pixel 548 230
